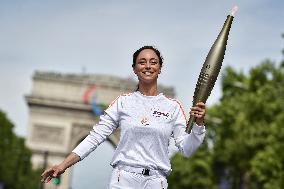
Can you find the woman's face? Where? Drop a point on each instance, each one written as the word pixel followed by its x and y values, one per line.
pixel 147 66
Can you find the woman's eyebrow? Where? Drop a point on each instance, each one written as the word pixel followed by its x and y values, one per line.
pixel 146 59
pixel 153 59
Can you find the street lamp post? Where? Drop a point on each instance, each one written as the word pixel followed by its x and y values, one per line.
pixel 45 156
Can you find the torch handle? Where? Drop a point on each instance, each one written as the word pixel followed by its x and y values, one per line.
pixel 190 124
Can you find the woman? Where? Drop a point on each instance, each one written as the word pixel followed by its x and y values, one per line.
pixel 147 120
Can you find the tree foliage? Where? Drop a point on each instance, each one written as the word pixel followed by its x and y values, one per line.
pixel 15 166
pixel 185 171
pixel 246 142
pixel 246 133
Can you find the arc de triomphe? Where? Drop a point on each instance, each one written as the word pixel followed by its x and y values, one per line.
pixel 60 117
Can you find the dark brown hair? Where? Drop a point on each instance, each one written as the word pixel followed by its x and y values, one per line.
pixel 135 55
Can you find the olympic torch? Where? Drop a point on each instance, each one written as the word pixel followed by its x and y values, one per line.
pixel 211 66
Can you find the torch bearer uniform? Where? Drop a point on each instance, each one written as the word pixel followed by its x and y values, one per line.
pixel 141 159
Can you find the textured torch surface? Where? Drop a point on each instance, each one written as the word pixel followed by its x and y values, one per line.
pixel 211 68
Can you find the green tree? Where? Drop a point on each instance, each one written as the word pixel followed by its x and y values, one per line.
pixel 15 166
pixel 195 172
pixel 251 110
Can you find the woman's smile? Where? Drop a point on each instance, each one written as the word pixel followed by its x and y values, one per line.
pixel 147 67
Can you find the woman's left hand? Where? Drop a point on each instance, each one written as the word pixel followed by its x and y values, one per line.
pixel 198 111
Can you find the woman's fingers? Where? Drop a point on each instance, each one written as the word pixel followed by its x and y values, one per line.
pixel 50 173
pixel 200 104
pixel 199 107
pixel 46 174
pixel 56 173
pixel 47 179
pixel 198 111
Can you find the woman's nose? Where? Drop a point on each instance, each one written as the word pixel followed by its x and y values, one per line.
pixel 148 64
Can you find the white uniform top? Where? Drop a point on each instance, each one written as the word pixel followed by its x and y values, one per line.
pixel 147 123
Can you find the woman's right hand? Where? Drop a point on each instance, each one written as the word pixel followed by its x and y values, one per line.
pixel 57 170
pixel 52 172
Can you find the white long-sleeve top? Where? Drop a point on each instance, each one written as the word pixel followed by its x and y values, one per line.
pixel 147 123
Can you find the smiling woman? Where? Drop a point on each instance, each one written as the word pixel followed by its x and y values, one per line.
pixel 147 64
pixel 147 120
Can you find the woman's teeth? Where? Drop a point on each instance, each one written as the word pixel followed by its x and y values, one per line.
pixel 148 73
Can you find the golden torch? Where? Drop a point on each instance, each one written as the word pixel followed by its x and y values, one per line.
pixel 211 66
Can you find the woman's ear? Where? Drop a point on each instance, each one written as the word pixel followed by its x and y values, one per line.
pixel 134 71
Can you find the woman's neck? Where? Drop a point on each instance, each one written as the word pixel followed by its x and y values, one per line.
pixel 148 90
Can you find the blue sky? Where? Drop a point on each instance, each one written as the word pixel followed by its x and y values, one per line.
pixel 101 36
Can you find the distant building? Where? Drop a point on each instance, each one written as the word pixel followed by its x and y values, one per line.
pixel 60 113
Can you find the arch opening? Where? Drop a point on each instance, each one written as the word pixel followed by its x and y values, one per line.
pixel 95 170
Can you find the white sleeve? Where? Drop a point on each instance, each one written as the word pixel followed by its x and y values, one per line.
pixel 186 143
pixel 107 124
